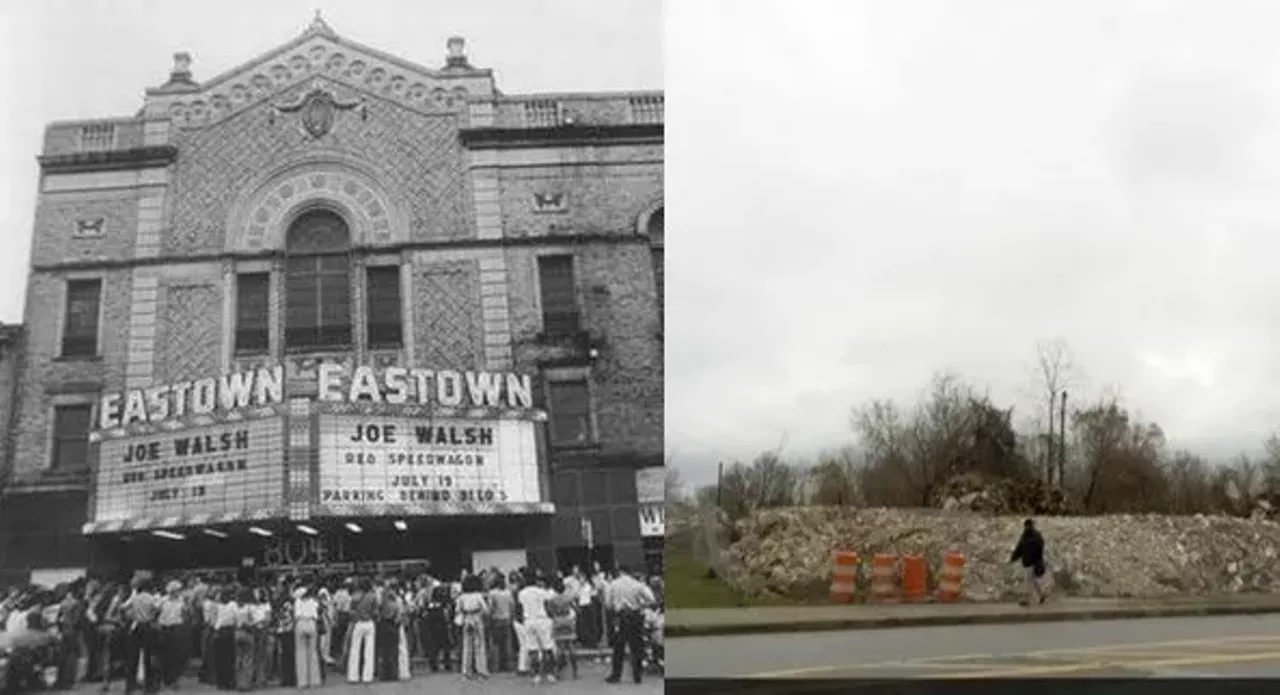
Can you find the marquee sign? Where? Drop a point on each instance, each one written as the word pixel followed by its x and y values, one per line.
pixel 428 465
pixel 234 468
pixel 265 387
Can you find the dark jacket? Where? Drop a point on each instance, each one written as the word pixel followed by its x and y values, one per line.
pixel 1030 550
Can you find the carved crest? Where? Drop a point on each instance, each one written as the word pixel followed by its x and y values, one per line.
pixel 318 109
pixel 550 202
pixel 92 227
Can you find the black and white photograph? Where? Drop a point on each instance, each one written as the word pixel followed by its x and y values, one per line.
pixel 331 346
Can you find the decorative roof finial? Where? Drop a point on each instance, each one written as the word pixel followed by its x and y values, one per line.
pixel 180 75
pixel 457 55
pixel 319 26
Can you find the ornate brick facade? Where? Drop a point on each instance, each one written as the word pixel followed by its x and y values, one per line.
pixel 433 170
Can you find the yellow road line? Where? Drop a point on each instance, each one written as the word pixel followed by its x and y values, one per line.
pixel 1100 665
pixel 1256 641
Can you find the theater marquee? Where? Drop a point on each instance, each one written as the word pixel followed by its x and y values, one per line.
pixel 426 462
pixel 230 468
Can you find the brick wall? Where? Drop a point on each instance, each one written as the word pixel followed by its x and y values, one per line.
pixel 11 353
pixel 45 375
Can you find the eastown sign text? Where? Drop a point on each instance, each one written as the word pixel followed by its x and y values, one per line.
pixel 265 386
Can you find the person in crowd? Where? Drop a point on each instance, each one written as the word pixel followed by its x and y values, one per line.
pixel 111 630
pixel 306 621
pixel 224 641
pixel 655 626
pixel 584 598
pixel 173 642
pixel 208 655
pixel 71 627
pixel 324 624
pixel 404 594
pixel 364 612
pixel 562 607
pixel 282 625
pixel 264 639
pixel 245 646
pixel 517 625
pixel 387 632
pixel 1030 550
pixel 438 618
pixel 498 630
pixel 141 611
pixel 627 598
pixel 472 609
pixel 418 614
pixel 601 623
pixel 539 642
pixel 340 638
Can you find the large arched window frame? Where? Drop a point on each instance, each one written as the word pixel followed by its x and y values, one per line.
pixel 317 283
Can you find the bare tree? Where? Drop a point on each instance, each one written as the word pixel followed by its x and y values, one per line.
pixel 1054 373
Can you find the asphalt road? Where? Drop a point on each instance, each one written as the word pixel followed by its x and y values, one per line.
pixel 1213 647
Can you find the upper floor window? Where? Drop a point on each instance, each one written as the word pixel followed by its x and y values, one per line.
pixel 71 436
pixel 383 311
pixel 560 315
pixel 569 403
pixel 253 312
pixel 317 283
pixel 655 248
pixel 80 327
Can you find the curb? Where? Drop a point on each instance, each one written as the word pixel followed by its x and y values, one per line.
pixel 1029 616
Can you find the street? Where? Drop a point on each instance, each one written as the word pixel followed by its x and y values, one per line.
pixel 1209 647
pixel 591 680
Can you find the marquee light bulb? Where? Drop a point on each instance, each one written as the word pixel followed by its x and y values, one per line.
pixel 308 530
pixel 354 528
pixel 169 534
pixel 401 526
pixel 260 532
pixel 215 533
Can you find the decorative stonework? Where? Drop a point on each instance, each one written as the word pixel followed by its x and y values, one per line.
pixel 551 201
pixel 260 220
pixel 444 318
pixel 89 228
pixel 191 338
pixel 328 56
pixel 318 107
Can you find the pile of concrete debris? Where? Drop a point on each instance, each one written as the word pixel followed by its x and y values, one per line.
pixel 787 552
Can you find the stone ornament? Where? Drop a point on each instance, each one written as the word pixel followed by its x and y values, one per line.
pixel 89 228
pixel 550 202
pixel 319 107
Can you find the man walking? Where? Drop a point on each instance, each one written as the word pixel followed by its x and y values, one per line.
pixel 1030 550
pixel 627 597
pixel 173 647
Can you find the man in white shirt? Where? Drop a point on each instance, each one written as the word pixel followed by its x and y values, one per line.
pixel 626 598
pixel 539 640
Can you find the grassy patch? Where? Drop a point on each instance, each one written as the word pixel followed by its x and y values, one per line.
pixel 686 585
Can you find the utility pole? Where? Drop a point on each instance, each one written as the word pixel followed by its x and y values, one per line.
pixel 1062 442
pixel 1048 454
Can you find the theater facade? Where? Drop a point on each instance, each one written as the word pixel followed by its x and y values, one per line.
pixel 335 310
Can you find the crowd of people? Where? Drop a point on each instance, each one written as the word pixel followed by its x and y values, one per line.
pixel 299 631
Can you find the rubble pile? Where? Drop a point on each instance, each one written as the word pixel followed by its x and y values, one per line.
pixel 787 552
pixel 971 492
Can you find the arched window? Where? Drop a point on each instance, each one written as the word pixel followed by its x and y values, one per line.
pixel 317 283
pixel 655 248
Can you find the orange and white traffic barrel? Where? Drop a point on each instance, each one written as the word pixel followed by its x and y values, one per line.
pixel 951 578
pixel 883 579
pixel 914 577
pixel 844 576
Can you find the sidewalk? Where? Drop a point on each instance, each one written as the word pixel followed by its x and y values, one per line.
pixel 702 622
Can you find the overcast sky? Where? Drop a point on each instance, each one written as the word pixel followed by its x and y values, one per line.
pixel 68 59
pixel 863 193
